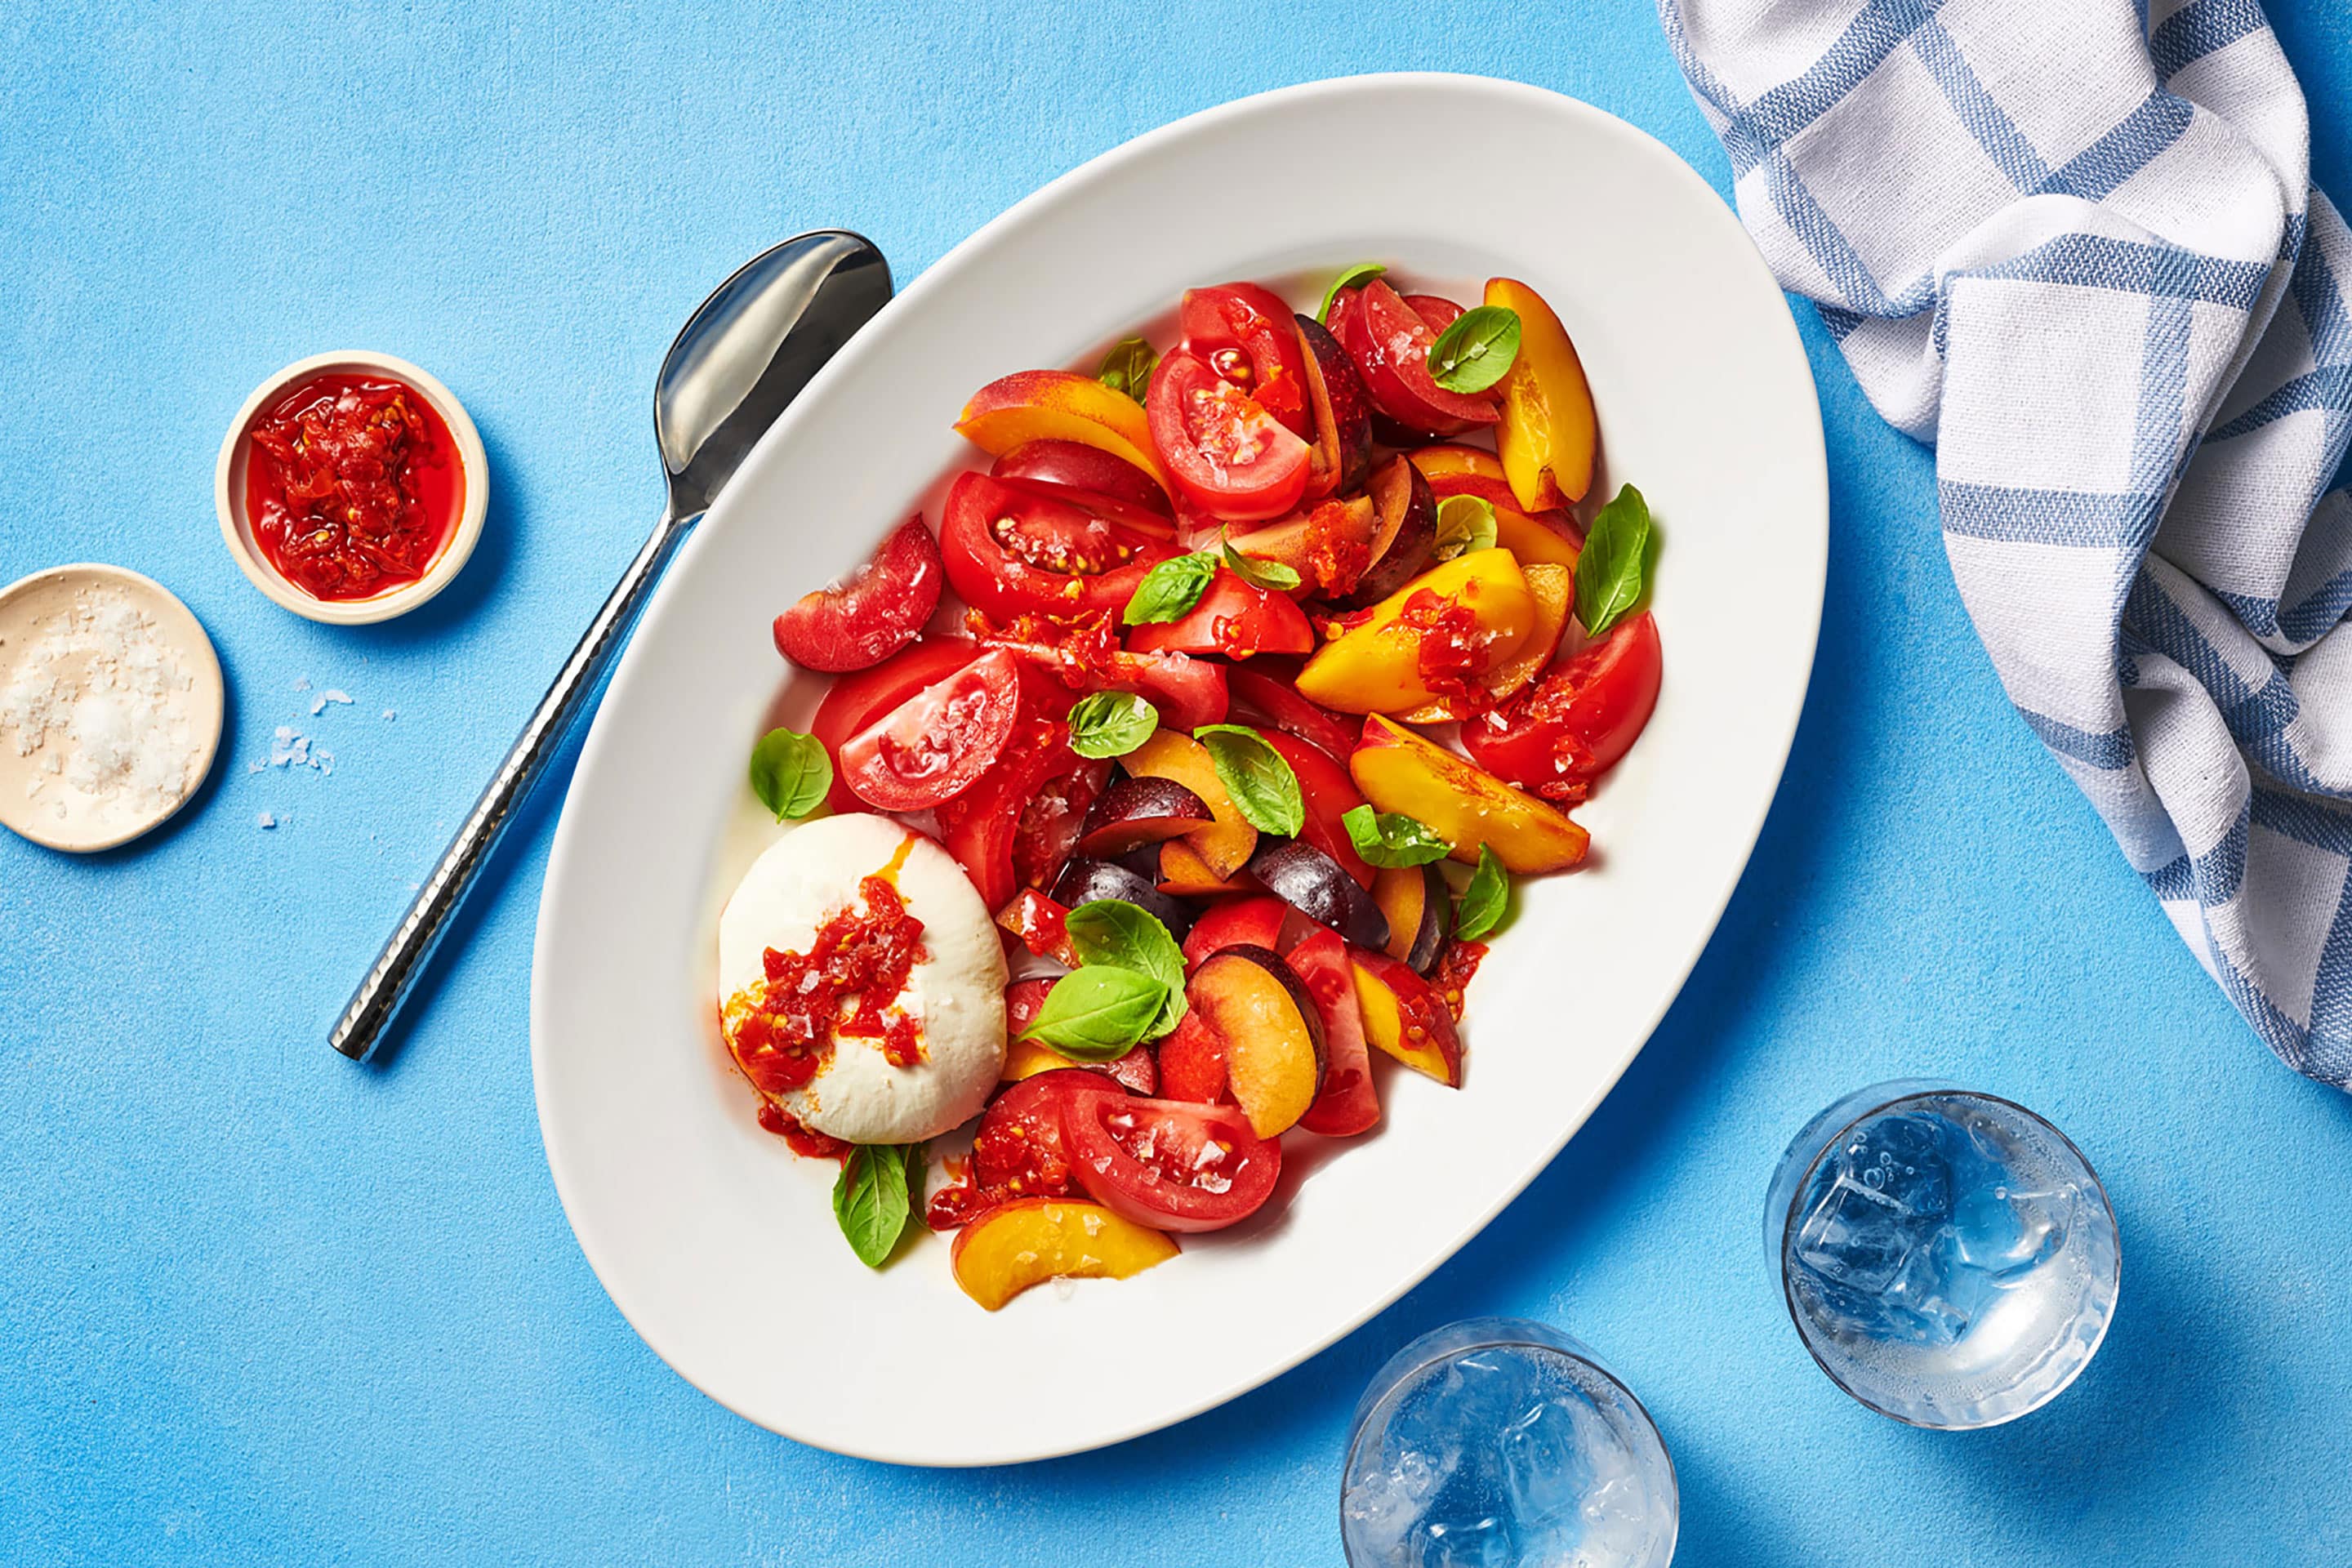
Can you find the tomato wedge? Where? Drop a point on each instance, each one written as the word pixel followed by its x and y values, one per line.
pixel 1279 705
pixel 982 826
pixel 878 611
pixel 1248 921
pixel 1389 341
pixel 1245 334
pixel 1172 1164
pixel 1576 723
pixel 1017 549
pixel 1227 454
pixel 1096 476
pixel 856 700
pixel 1192 1062
pixel 1347 1103
pixel 933 746
pixel 1233 618
pixel 1329 793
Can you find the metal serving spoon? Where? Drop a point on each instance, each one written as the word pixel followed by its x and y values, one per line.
pixel 740 359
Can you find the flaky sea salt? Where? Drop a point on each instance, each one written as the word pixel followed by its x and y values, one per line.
pixel 96 690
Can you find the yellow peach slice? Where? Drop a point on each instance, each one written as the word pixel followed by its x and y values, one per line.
pixel 1059 406
pixel 1030 1240
pixel 1375 667
pixel 1548 428
pixel 1462 802
pixel 1554 591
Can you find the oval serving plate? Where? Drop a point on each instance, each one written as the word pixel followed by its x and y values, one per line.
pixel 707 1232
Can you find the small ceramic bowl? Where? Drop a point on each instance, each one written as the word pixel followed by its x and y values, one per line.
pixel 228 490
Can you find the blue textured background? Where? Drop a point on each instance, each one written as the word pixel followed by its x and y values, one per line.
pixel 256 1305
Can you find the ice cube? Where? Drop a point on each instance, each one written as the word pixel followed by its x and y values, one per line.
pixel 1545 1471
pixel 1485 1542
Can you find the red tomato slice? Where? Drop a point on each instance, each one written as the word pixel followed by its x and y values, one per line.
pixel 982 825
pixel 1389 341
pixel 878 611
pixel 1438 311
pixel 933 746
pixel 1233 618
pixel 1578 721
pixel 1192 1062
pixel 1109 486
pixel 1227 454
pixel 1017 1150
pixel 1168 1164
pixel 1245 921
pixel 1347 1103
pixel 1246 334
pixel 856 700
pixel 1015 550
pixel 1329 793
pixel 1279 705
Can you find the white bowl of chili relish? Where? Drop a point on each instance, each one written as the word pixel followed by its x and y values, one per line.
pixel 351 487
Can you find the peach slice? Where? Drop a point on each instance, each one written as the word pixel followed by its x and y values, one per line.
pixel 1059 406
pixel 1453 469
pixel 1311 543
pixel 1404 1016
pixel 1225 844
pixel 1554 590
pixel 1419 907
pixel 1183 873
pixel 1030 1240
pixel 1462 802
pixel 1534 541
pixel 1375 667
pixel 1548 428
pixel 1272 1029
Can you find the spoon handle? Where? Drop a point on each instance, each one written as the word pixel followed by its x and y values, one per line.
pixel 396 969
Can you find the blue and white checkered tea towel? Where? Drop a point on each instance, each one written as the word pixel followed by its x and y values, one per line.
pixel 2074 245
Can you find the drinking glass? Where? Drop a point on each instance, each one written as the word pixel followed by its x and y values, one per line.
pixel 1500 1441
pixel 1948 1258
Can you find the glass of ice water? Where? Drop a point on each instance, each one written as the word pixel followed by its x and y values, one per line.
pixel 1949 1257
pixel 1500 1443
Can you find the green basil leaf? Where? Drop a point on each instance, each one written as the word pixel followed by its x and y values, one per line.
pixel 1170 590
pixel 1485 899
pixel 1464 523
pixel 1099 1013
pixel 1112 724
pixel 791 773
pixel 1128 368
pixel 1125 936
pixel 1612 572
pixel 870 1201
pixel 1271 575
pixel 1388 838
pixel 1477 350
pixel 1264 788
pixel 1355 276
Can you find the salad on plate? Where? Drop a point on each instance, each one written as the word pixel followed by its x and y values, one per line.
pixel 1181 775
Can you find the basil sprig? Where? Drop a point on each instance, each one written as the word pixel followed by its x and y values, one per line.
pixel 1464 523
pixel 1612 572
pixel 1128 368
pixel 1355 276
pixel 880 1185
pixel 1121 935
pixel 1485 899
pixel 791 773
pixel 1390 839
pixel 1098 1013
pixel 1477 350
pixel 1271 575
pixel 1170 590
pixel 1112 724
pixel 1264 788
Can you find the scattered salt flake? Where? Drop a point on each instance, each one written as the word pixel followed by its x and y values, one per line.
pixel 301 683
pixel 387 713
pixel 265 820
pixel 319 706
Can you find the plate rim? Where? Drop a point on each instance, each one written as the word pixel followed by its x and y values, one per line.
pixel 1812 462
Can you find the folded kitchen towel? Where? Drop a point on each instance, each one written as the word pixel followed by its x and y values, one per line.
pixel 2074 245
